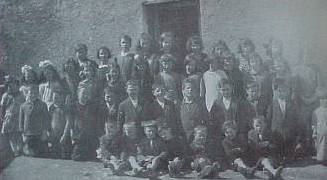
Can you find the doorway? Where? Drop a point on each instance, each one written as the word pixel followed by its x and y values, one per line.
pixel 182 17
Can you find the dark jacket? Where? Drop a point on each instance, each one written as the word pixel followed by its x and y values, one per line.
pixel 236 148
pixel 106 115
pixel 158 149
pixel 110 146
pixel 125 64
pixel 34 118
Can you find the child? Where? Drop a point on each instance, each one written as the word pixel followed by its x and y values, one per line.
pixel 146 49
pixel 220 50
pixel 85 129
pixel 110 149
pixel 29 78
pixel 320 127
pixel 108 111
pixel 115 82
pixel 163 109
pixel 203 154
pixel 175 149
pixel 192 111
pixel 209 83
pixel 167 44
pixel 264 146
pixel 104 56
pixel 129 144
pixel 246 51
pixel 10 104
pixel 194 47
pixel 152 151
pixel 125 58
pixel 191 70
pixel 34 123
pixel 236 149
pixel 61 126
pixel 171 79
pixel 81 57
pixel 285 123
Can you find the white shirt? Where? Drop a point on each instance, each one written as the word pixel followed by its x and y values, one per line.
pixel 162 104
pixel 282 104
pixel 134 102
pixel 123 53
pixel 211 80
pixel 227 102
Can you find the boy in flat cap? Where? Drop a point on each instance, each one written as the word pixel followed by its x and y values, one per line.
pixel 152 151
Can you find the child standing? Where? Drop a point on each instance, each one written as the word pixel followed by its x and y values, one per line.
pixel 10 104
pixel 209 83
pixel 61 126
pixel 194 47
pixel 34 123
pixel 320 127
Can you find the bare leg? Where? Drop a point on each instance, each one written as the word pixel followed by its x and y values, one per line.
pixel 239 162
pixel 133 162
pixel 268 165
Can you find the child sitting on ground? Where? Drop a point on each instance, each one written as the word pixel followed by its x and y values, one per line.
pixel 203 154
pixel 236 149
pixel 264 146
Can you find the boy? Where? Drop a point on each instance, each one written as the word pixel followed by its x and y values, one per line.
pixel 236 149
pixel 152 151
pixel 175 149
pixel 110 148
pixel 81 55
pixel 227 109
pixel 108 111
pixel 161 108
pixel 131 109
pixel 264 146
pixel 61 126
pixel 171 79
pixel 192 110
pixel 10 104
pixel 203 155
pixel 34 123
pixel 284 123
pixel 209 83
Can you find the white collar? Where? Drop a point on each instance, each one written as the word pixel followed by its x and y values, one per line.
pixel 134 102
pixel 227 102
pixel 162 104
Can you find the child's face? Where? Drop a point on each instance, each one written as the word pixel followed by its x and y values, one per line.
pixel 49 74
pixel 145 43
pixel 103 55
pixel 167 66
pixel 259 126
pixel 111 129
pixel 282 92
pixel 159 92
pixel 200 136
pixel 252 92
pixel 246 49
pixel 130 131
pixel 190 68
pixel 188 90
pixel 323 102
pixel 228 64
pixel 219 50
pixel 81 54
pixel 150 132
pixel 132 91
pixel 109 97
pixel 166 134
pixel 226 91
pixel 167 44
pixel 29 76
pixel 124 44
pixel 58 98
pixel 230 133
pixel 31 94
pixel 196 47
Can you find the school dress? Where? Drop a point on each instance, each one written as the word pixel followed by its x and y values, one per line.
pixel 320 119
pixel 125 63
pixel 209 86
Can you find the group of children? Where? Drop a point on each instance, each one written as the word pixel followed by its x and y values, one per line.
pixel 150 111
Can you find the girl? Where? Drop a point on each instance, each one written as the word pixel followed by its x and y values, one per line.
pixel 194 47
pixel 29 78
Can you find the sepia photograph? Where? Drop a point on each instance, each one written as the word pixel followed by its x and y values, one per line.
pixel 163 89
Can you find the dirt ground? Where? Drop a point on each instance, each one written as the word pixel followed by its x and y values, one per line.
pixel 25 168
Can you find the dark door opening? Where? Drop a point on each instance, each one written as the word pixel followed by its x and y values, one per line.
pixel 182 17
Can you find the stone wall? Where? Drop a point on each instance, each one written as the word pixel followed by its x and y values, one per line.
pixel 35 30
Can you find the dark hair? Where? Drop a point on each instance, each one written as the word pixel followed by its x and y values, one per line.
pixel 55 73
pixel 229 124
pixel 35 77
pixel 80 46
pixel 245 42
pixel 219 43
pixel 195 39
pixel 187 81
pixel 105 49
pixel 158 85
pixel 145 36
pixel 224 82
pixel 127 38
pixel 70 61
